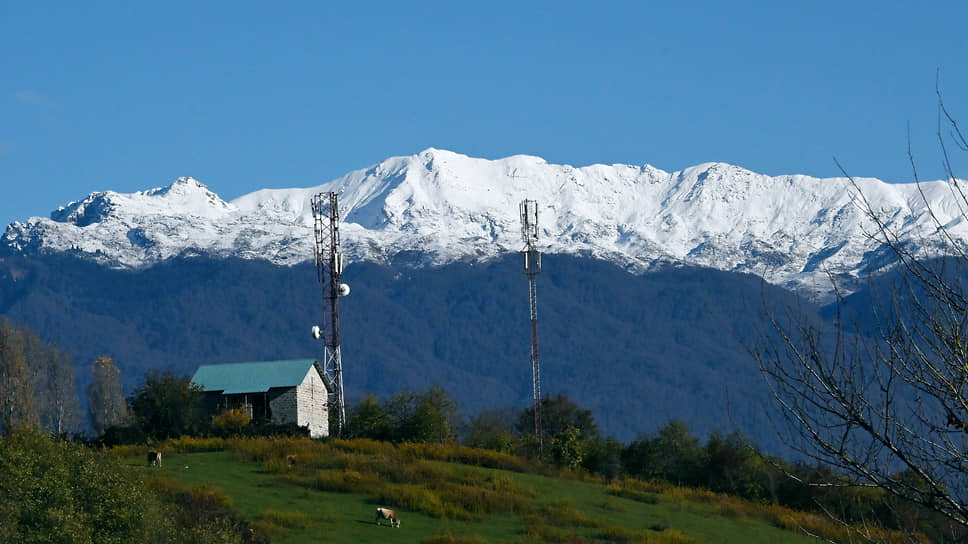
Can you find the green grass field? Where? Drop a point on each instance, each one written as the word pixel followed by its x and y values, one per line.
pixel 293 505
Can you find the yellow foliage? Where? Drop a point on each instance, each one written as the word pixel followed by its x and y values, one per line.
pixel 190 444
pixel 231 421
pixel 127 450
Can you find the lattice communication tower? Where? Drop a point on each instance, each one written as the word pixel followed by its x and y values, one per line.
pixel 329 268
pixel 532 267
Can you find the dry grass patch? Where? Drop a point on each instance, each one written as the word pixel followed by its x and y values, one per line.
pixel 275 523
pixel 396 476
pixel 449 538
pixel 625 536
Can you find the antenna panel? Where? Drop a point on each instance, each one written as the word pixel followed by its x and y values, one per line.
pixel 529 221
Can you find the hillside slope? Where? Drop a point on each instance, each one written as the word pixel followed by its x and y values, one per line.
pixel 335 499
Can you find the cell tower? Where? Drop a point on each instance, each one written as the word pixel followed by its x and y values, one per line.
pixel 532 267
pixel 329 268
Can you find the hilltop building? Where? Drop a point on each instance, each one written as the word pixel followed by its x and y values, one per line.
pixel 292 391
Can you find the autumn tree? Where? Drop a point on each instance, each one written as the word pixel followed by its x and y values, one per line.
pixel 105 399
pixel 17 404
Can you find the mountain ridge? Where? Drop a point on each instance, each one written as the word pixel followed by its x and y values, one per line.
pixel 439 207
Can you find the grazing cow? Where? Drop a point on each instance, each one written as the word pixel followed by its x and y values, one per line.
pixel 291 461
pixel 154 458
pixel 387 514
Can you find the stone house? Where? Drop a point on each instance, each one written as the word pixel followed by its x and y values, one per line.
pixel 292 391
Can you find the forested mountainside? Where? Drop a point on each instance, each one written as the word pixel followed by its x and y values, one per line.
pixel 636 350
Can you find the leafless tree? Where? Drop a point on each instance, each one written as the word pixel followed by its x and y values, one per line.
pixel 54 389
pixel 61 412
pixel 105 399
pixel 883 397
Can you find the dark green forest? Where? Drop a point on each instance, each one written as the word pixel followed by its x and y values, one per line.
pixel 638 351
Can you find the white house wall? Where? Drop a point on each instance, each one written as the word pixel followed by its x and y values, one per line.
pixel 312 405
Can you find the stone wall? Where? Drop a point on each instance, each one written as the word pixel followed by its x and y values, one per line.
pixel 313 405
pixel 283 405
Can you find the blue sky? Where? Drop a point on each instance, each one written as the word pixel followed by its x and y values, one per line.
pixel 127 96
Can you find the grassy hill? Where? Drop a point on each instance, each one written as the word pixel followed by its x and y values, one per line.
pixel 454 494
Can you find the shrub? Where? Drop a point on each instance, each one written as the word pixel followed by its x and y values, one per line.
pixel 231 422
pixel 189 444
pixel 128 450
pixel 131 434
pixel 57 491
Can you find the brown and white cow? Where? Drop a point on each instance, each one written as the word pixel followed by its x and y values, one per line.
pixel 291 461
pixel 387 514
pixel 154 458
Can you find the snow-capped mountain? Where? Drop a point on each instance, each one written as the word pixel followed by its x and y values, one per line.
pixel 437 207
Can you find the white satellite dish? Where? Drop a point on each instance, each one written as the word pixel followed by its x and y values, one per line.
pixel 344 289
pixel 316 332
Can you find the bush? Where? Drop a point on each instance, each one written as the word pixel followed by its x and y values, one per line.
pixel 54 491
pixel 230 422
pixel 189 444
pixel 117 435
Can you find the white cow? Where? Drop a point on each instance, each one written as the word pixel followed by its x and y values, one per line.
pixel 387 514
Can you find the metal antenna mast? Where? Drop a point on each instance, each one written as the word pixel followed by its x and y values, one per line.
pixel 329 268
pixel 532 267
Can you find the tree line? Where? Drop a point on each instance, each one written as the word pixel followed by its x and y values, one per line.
pixel 37 388
pixel 37 383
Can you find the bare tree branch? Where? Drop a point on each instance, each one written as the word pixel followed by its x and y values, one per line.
pixel 885 401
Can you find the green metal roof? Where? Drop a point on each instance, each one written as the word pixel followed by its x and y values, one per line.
pixel 234 378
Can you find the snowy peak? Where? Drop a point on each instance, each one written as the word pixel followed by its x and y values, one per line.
pixel 438 206
pixel 186 189
pixel 94 208
pixel 184 196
